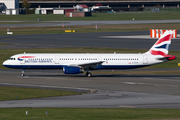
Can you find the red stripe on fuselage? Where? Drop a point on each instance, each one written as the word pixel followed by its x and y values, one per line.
pixel 26 57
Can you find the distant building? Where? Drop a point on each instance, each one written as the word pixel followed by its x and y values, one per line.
pixel 9 7
pixel 10 4
pixel 53 10
pixel 82 8
pixel 2 7
pixel 78 14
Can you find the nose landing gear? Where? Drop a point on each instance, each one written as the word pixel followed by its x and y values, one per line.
pixel 22 74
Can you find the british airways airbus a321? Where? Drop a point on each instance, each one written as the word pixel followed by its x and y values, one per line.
pixel 78 63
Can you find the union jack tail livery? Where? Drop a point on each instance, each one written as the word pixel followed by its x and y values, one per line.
pixel 161 47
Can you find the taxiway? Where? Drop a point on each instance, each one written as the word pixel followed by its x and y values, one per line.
pixel 113 91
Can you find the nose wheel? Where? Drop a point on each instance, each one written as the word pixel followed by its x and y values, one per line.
pixel 22 74
pixel 88 74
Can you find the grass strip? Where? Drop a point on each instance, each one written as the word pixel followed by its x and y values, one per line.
pixel 4 44
pixel 166 14
pixel 87 28
pixel 14 22
pixel 15 93
pixel 87 114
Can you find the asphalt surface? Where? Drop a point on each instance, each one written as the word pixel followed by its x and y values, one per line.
pixel 135 40
pixel 114 91
pixel 73 23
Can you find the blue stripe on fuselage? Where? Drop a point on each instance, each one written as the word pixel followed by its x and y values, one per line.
pixel 61 66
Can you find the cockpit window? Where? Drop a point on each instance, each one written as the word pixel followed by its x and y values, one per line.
pixel 12 58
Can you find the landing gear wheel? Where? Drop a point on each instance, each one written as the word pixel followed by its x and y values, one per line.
pixel 88 74
pixel 22 74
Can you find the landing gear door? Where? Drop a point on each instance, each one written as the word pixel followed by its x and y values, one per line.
pixel 56 59
pixel 145 59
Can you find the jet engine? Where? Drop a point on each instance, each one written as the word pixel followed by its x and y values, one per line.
pixel 72 70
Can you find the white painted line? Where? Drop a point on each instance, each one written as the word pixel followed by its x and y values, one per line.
pixel 136 36
pixel 129 83
pixel 44 86
pixel 161 79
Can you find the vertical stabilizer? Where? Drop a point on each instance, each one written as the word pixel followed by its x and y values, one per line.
pixel 161 47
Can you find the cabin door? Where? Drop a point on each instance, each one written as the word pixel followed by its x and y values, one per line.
pixel 56 59
pixel 99 58
pixel 145 59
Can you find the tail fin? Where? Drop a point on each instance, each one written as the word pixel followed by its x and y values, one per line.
pixel 161 47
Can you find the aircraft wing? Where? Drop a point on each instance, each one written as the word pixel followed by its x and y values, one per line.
pixel 90 65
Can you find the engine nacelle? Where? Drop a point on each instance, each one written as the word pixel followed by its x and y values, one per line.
pixel 72 70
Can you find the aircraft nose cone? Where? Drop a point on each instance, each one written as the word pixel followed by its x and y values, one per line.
pixel 5 63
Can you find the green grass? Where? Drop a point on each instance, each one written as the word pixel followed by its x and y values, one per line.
pixel 87 114
pixel 166 14
pixel 6 53
pixel 27 22
pixel 87 28
pixel 14 93
pixel 4 44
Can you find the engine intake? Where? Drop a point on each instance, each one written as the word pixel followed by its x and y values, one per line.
pixel 72 70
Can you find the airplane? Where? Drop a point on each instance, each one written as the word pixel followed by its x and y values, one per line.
pixel 78 63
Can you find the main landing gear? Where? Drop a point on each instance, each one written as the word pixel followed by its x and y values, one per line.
pixel 22 74
pixel 88 74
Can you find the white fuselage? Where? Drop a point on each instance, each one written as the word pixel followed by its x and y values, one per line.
pixel 58 61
